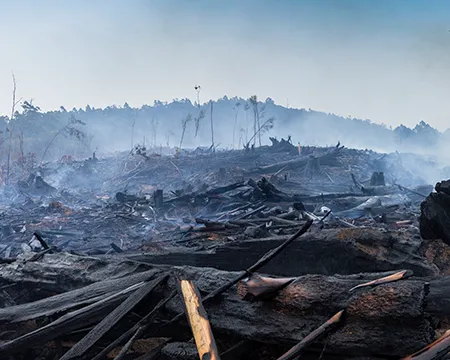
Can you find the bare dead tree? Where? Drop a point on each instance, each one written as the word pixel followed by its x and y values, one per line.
pixel 168 135
pixel 197 121
pixel 242 133
pixel 253 100
pixel 236 112
pixel 184 124
pixel 246 108
pixel 10 127
pixel 259 112
pixel 20 137
pixel 154 131
pixel 132 132
pixel 212 127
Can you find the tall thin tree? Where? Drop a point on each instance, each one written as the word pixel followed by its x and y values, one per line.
pixel 212 127
pixel 11 127
pixel 184 124
pixel 132 132
pixel 236 112
pixel 254 104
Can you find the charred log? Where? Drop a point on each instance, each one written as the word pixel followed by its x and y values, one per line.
pixel 302 306
pixel 401 308
pixel 329 251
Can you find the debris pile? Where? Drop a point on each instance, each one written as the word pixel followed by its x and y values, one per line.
pixel 266 253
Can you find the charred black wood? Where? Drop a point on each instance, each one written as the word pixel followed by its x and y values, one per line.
pixel 443 187
pixel 122 197
pixel 111 319
pixel 307 303
pixel 41 240
pixel 329 159
pixel 377 179
pixel 328 252
pixel 435 215
pixel 158 198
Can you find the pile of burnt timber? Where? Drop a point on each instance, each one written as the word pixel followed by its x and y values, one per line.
pixel 286 252
pixel 70 307
pixel 72 315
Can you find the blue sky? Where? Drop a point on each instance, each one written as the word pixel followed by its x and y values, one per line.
pixel 384 60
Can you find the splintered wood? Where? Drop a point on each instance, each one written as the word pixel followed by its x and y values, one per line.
pixel 198 319
pixel 387 279
pixel 257 286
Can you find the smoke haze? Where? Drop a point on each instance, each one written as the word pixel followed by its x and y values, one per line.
pixel 386 61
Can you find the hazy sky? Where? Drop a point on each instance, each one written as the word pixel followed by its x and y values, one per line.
pixel 387 60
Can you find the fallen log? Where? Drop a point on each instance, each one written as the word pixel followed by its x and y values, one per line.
pixel 329 159
pixel 55 274
pixel 328 251
pixel 60 303
pixel 401 308
pixel 200 197
pixel 371 313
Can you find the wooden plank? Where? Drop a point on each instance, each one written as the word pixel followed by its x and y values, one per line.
pixel 198 320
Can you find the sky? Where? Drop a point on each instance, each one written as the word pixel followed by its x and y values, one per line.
pixel 385 60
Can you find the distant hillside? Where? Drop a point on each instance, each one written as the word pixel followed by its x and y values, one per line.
pixel 78 132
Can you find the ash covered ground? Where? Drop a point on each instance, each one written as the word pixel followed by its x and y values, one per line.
pixel 84 242
pixel 87 205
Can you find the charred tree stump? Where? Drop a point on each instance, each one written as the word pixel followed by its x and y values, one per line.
pixel 377 179
pixel 312 167
pixel 435 214
pixel 158 198
pixel 443 187
pixel 221 175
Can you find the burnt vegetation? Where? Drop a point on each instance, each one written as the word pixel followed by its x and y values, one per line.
pixel 220 230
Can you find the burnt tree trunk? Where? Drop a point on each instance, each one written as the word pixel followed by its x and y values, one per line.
pixel 435 217
pixel 329 251
pixel 390 319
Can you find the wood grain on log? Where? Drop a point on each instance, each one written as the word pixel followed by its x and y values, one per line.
pixel 401 308
pixel 198 320
pixel 303 305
